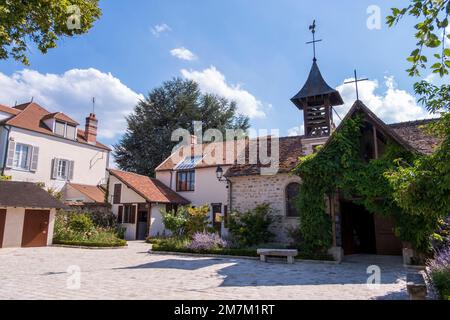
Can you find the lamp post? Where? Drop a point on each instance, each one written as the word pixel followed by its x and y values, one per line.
pixel 219 174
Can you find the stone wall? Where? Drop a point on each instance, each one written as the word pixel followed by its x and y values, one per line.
pixel 250 191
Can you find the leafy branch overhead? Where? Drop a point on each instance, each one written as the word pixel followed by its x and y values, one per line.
pixel 42 23
pixel 430 33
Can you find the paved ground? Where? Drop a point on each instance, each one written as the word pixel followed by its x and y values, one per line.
pixel 133 273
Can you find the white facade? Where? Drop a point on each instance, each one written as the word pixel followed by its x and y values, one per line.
pixel 87 163
pixel 128 196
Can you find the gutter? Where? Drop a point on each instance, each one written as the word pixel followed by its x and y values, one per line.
pixel 8 129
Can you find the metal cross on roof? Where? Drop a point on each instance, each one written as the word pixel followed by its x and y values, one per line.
pixel 356 83
pixel 313 30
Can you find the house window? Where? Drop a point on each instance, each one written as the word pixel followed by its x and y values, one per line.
pixel 117 193
pixel 62 169
pixel 129 213
pixel 22 156
pixel 186 180
pixel 71 132
pixel 60 128
pixel 292 192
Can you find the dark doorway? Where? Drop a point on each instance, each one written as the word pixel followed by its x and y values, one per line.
pixel 217 217
pixel 2 224
pixel 141 225
pixel 358 229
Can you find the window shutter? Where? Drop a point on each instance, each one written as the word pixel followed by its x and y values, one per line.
pixel 34 159
pixel 11 151
pixel 55 168
pixel 120 215
pixel 133 214
pixel 71 168
pixel 117 193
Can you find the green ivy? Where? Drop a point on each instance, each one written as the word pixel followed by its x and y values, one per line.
pixel 340 166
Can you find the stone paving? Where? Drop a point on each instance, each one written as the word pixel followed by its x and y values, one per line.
pixel 133 273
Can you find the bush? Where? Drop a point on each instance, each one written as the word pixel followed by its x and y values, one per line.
pixel 206 241
pixel 81 223
pixel 198 220
pixel 78 229
pixel 251 227
pixel 175 222
pixel 438 272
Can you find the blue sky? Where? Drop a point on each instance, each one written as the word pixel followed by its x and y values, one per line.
pixel 253 50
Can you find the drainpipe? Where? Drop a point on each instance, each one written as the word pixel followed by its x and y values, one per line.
pixel 6 150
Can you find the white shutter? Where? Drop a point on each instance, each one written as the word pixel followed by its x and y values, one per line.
pixel 11 151
pixel 34 159
pixel 71 168
pixel 55 168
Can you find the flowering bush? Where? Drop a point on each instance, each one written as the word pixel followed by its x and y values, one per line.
pixel 438 272
pixel 203 241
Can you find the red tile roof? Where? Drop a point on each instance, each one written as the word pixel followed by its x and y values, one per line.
pixel 30 116
pixel 9 110
pixel 95 193
pixel 60 116
pixel 150 189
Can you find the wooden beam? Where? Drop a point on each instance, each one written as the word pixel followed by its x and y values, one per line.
pixel 375 141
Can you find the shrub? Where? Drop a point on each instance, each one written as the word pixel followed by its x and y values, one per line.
pixel 438 272
pixel 251 227
pixel 203 241
pixel 81 223
pixel 198 219
pixel 175 222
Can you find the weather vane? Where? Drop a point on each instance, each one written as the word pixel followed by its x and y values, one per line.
pixel 313 30
pixel 356 84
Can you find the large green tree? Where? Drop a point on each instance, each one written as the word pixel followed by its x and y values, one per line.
pixel 175 104
pixel 42 23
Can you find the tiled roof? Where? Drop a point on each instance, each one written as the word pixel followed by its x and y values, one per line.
pixel 9 110
pixel 60 116
pixel 290 152
pixel 30 117
pixel 95 193
pixel 26 195
pixel 416 136
pixel 150 189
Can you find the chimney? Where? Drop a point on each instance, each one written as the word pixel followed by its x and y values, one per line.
pixel 90 132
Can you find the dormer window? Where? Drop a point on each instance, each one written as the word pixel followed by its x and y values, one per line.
pixel 65 130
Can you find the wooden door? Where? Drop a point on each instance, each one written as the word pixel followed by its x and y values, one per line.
pixel 387 242
pixel 2 224
pixel 35 228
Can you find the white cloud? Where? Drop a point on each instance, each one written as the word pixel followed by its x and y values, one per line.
pixel 158 29
pixel 447 33
pixel 392 105
pixel 72 94
pixel 212 81
pixel 296 131
pixel 183 54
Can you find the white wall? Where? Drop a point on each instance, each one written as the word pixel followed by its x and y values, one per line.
pixel 12 235
pixel 90 162
pixel 156 223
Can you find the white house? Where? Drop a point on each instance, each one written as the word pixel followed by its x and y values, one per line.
pixel 137 202
pixel 42 147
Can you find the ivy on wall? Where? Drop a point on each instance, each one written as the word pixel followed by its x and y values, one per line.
pixel 373 184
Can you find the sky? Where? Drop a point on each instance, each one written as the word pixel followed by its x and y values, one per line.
pixel 249 51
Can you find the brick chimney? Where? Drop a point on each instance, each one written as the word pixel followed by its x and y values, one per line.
pixel 90 132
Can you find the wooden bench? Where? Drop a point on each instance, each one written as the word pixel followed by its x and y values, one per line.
pixel 417 288
pixel 289 253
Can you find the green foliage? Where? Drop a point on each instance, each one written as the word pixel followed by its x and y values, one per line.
pixel 251 227
pixel 41 23
pixel 78 229
pixel 173 105
pixel 80 223
pixel 441 281
pixel 175 222
pixel 430 33
pixel 382 186
pixel 187 220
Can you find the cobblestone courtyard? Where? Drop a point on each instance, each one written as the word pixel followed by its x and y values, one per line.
pixel 133 273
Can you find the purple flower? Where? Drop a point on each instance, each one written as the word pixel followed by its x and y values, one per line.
pixel 441 261
pixel 203 241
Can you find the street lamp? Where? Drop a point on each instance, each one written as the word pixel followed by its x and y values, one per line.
pixel 219 174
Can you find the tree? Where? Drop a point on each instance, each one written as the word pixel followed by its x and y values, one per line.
pixel 422 189
pixel 175 104
pixel 42 23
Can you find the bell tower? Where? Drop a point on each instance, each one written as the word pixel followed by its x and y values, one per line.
pixel 317 100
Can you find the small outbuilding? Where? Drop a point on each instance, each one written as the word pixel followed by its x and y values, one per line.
pixel 27 215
